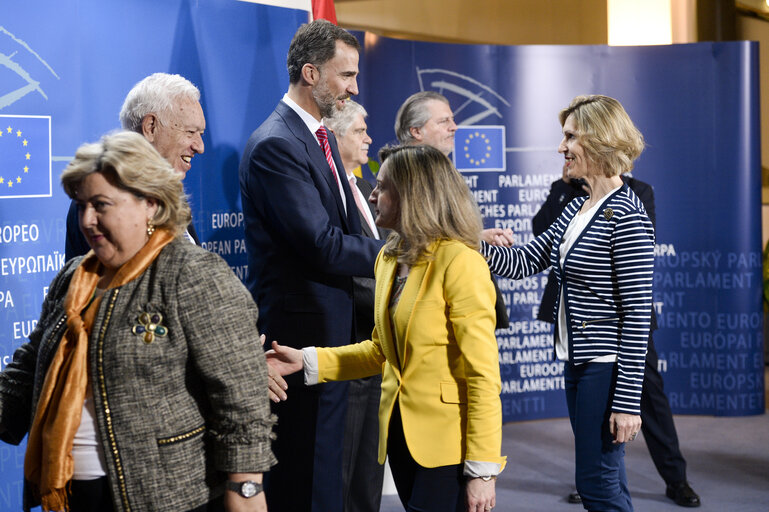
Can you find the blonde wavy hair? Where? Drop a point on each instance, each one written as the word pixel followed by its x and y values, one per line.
pixel 610 139
pixel 435 203
pixel 130 163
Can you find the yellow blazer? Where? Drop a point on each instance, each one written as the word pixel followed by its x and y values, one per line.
pixel 445 372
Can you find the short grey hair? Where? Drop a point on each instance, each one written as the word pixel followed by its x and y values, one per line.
pixel 342 119
pixel 413 114
pixel 155 94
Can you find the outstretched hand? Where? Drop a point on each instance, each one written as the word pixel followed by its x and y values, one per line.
pixel 284 360
pixel 277 385
pixel 498 236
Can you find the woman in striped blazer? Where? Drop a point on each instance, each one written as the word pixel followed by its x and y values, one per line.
pixel 601 249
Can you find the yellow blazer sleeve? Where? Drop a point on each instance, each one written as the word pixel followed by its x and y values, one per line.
pixel 353 361
pixel 470 296
pixel 350 361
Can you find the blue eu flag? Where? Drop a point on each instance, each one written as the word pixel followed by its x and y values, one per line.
pixel 25 156
pixel 479 148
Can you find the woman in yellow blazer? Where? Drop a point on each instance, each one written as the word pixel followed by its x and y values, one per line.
pixel 440 416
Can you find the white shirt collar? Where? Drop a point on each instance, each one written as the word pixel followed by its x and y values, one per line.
pixel 309 121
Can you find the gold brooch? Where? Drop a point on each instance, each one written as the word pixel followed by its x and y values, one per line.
pixel 608 213
pixel 149 327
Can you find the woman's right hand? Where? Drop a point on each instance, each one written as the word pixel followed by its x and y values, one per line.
pixel 284 360
pixel 480 494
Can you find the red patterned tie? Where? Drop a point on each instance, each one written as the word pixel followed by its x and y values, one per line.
pixel 326 147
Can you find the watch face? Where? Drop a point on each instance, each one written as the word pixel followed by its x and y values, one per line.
pixel 248 489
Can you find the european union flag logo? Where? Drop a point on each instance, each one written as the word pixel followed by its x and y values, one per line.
pixel 479 148
pixel 25 156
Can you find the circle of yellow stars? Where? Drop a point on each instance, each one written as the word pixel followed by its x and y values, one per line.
pixel 9 132
pixel 481 138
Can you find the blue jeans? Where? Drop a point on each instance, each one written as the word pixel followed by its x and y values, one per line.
pixel 600 465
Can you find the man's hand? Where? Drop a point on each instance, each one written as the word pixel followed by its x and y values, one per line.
pixel 498 236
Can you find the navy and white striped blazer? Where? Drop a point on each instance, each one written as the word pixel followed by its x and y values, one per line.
pixel 607 278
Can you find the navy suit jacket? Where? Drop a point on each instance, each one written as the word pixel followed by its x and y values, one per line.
pixel 303 247
pixel 303 250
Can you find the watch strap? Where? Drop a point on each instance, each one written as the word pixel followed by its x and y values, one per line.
pixel 238 487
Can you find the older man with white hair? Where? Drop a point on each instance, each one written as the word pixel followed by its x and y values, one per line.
pixel 166 110
pixel 362 475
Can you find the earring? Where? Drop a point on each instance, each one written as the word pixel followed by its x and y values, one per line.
pixel 150 228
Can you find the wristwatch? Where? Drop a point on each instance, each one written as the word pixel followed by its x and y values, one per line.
pixel 488 478
pixel 247 489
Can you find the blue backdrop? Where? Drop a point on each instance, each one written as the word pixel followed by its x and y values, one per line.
pixel 65 68
pixel 697 106
pixel 72 63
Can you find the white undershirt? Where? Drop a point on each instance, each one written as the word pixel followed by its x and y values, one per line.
pixel 575 228
pixel 89 462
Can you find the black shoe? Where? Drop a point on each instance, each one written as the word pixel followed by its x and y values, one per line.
pixel 574 497
pixel 682 494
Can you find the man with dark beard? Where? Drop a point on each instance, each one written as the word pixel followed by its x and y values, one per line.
pixel 304 245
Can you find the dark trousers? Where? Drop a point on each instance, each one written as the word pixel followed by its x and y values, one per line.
pixel 600 465
pixel 94 496
pixel 90 496
pixel 362 475
pixel 422 489
pixel 310 437
pixel 657 423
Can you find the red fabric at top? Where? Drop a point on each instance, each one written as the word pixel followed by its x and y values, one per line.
pixel 324 9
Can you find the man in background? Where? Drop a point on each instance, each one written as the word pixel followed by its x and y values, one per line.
pixel 166 110
pixel 362 474
pixel 304 245
pixel 426 118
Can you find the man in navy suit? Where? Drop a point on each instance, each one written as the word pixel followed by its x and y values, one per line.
pixel 304 245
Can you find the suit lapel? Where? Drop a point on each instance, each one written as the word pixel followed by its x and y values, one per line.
pixel 351 206
pixel 193 233
pixel 315 153
pixel 364 225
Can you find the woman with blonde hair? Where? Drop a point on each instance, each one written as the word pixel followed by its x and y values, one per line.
pixel 440 416
pixel 601 249
pixel 143 385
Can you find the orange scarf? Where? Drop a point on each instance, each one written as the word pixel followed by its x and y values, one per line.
pixel 48 463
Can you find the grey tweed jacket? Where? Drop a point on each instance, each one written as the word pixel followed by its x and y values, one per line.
pixel 177 409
